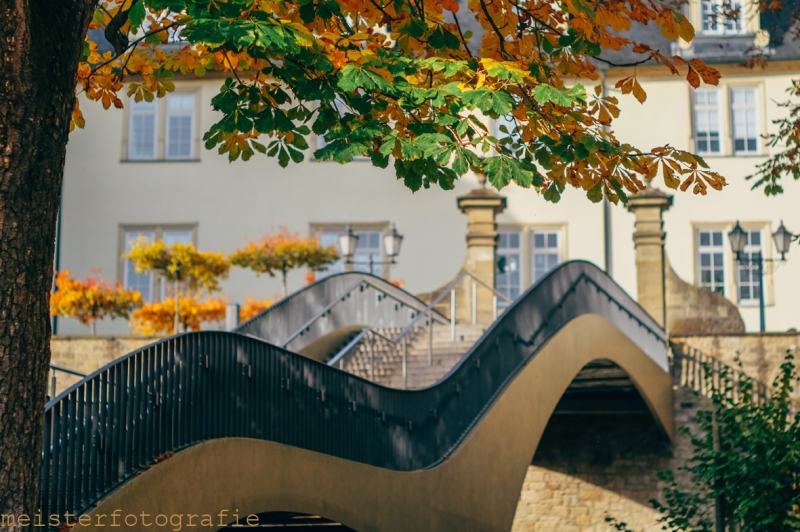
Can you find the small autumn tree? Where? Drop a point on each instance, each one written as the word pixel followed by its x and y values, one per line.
pixel 91 300
pixel 252 307
pixel 284 252
pixel 182 266
pixel 744 473
pixel 159 317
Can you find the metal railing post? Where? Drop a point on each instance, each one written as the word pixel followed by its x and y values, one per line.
pixel 430 342
pixel 372 359
pixel 494 308
pixel 405 363
pixel 453 315
pixel 53 386
pixel 474 302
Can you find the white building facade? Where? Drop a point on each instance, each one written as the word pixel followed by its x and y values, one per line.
pixel 143 171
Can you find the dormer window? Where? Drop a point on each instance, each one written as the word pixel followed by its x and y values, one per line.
pixel 717 19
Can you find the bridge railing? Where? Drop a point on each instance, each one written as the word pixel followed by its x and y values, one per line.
pixel 200 386
pixel 343 299
pixel 704 374
pixel 425 318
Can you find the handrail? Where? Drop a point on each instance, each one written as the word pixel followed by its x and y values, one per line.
pixel 441 295
pixel 322 312
pixel 360 336
pixel 703 373
pixel 206 385
pixel 339 298
pixel 63 369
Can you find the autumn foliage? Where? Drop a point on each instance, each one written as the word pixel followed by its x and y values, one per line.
pixel 159 318
pixel 283 252
pixel 180 262
pixel 402 82
pixel 252 307
pixel 91 300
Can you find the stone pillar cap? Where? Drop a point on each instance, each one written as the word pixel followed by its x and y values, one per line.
pixel 650 196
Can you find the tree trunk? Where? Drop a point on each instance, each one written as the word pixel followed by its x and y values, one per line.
pixel 40 46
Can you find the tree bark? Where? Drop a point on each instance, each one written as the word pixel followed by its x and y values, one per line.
pixel 40 47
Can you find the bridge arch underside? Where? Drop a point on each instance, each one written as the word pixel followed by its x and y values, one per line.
pixel 476 488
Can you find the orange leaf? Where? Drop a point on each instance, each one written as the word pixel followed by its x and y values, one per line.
pixel 693 78
pixel 451 5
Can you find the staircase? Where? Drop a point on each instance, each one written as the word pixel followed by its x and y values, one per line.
pixel 421 370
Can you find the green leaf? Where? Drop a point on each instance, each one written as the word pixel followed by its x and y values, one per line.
pixel 136 15
pixel 98 17
pixel 552 194
pixel 415 27
pixel 595 194
pixel 546 93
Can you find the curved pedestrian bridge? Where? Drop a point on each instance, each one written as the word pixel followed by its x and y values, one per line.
pixel 208 422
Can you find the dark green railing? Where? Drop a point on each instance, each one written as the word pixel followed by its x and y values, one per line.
pixel 200 386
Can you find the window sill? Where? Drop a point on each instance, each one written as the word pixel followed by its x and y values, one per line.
pixel 159 160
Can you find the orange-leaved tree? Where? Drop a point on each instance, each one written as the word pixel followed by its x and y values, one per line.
pixel 159 317
pixel 284 252
pixel 397 81
pixel 91 300
pixel 181 265
pixel 252 307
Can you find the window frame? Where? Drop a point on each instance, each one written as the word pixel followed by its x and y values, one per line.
pixel 316 228
pixel 158 231
pixel 751 301
pixel 757 119
pixel 192 128
pixel 160 150
pixel 132 113
pixel 721 26
pixel 720 125
pixel 558 251
pixel 520 252
pixel 725 258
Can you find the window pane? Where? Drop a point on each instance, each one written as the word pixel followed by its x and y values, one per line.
pixel 143 282
pixel 330 238
pixel 508 267
pixel 180 126
pixel 711 255
pixel 142 134
pixel 545 253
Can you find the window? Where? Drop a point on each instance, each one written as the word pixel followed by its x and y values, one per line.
pixel 711 253
pixel 331 238
pixel 162 129
pixel 146 283
pixel 368 248
pixel 180 129
pixel 142 135
pixel 143 282
pixel 546 253
pixel 749 289
pixel 716 19
pixel 706 121
pixel 508 280
pixel 745 120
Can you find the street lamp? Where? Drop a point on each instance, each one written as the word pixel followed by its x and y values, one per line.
pixel 391 244
pixel 738 239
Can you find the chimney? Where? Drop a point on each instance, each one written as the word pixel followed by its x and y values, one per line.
pixel 648 239
pixel 481 206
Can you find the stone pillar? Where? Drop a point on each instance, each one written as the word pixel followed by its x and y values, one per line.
pixel 481 207
pixel 648 239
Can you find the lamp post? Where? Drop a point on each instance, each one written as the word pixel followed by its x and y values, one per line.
pixel 348 241
pixel 755 261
